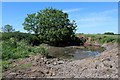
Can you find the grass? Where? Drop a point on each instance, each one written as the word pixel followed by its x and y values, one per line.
pixel 12 49
pixel 101 38
pixel 5 64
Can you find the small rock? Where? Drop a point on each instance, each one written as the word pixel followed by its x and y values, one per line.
pixel 42 58
pixel 55 63
pixel 12 74
pixel 53 74
pixel 107 59
pixel 60 62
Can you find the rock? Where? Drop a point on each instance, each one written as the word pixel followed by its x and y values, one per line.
pixel 106 59
pixel 53 74
pixel 60 62
pixel 12 74
pixel 42 58
pixel 55 63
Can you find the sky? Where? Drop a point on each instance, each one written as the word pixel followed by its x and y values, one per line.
pixel 90 17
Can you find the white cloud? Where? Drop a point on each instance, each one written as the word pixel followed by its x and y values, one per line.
pixel 96 19
pixel 105 13
pixel 72 10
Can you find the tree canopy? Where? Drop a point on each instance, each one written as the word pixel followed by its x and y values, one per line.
pixel 51 26
pixel 8 28
pixel 109 33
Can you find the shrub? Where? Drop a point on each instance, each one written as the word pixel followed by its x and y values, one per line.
pixel 12 49
pixel 30 38
pixel 40 50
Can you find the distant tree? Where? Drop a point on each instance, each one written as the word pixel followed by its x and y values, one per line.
pixel 51 26
pixel 8 28
pixel 109 33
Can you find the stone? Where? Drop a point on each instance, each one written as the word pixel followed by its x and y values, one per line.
pixel 55 63
pixel 60 62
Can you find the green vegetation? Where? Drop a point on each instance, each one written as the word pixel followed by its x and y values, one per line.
pixel 17 45
pixel 101 38
pixel 12 49
pixel 30 38
pixel 109 33
pixel 51 26
pixel 5 64
pixel 8 28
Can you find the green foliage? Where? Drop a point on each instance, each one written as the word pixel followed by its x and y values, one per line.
pixel 103 38
pixel 5 65
pixel 107 39
pixel 52 26
pixel 40 49
pixel 30 38
pixel 8 28
pixel 109 33
pixel 13 49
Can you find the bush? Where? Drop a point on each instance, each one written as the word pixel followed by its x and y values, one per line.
pixel 12 49
pixel 30 38
pixel 40 50
pixel 78 41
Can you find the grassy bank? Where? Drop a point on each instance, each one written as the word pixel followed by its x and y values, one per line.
pixel 101 38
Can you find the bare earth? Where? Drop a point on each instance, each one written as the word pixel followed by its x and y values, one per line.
pixel 102 66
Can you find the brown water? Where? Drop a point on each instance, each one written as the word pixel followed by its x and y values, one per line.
pixel 75 53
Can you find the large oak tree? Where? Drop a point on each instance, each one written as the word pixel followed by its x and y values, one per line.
pixel 52 26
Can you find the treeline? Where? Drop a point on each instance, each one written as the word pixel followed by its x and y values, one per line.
pixel 106 33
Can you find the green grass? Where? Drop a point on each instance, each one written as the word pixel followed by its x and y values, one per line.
pixel 12 49
pixel 5 64
pixel 103 38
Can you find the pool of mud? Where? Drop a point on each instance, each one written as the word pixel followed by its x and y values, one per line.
pixel 75 52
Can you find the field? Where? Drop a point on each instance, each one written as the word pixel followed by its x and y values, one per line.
pixel 102 38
